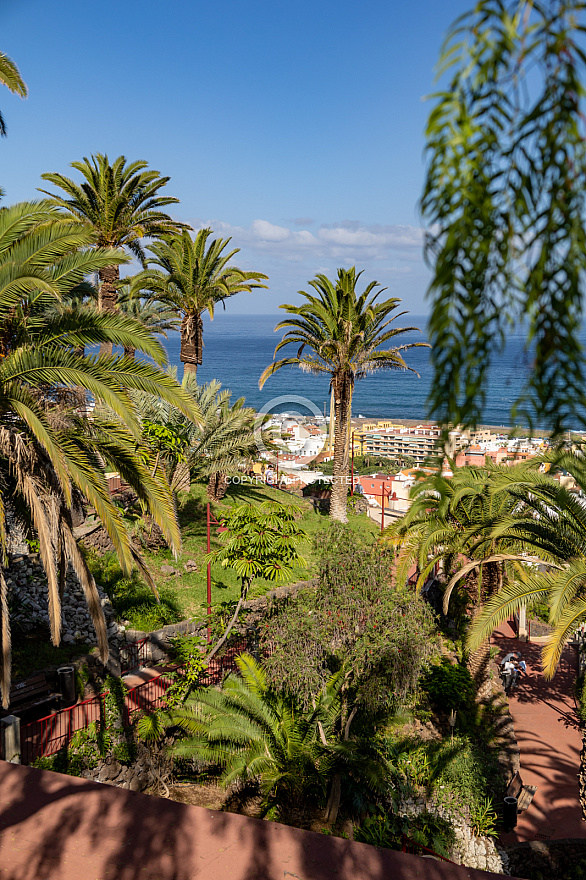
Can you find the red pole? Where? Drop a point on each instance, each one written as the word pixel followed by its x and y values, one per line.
pixel 352 487
pixel 209 580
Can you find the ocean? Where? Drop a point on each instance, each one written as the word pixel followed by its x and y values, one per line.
pixel 239 347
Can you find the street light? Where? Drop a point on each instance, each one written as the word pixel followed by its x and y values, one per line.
pixel 210 519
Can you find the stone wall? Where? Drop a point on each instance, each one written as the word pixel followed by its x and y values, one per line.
pixel 141 774
pixel 27 591
pixel 548 859
pixel 471 851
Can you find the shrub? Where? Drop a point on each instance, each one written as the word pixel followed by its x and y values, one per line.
pixel 448 686
pixel 426 829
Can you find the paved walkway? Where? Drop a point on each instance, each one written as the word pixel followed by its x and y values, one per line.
pixel 550 743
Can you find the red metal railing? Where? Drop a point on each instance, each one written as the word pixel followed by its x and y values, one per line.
pixel 133 655
pixel 46 736
pixel 147 696
pixel 411 846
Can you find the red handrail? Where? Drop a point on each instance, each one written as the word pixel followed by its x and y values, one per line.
pixel 408 842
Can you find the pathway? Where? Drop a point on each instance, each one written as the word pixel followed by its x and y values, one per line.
pixel 550 743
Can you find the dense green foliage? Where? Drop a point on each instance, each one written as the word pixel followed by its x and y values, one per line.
pixel 448 685
pixel 504 201
pixel 427 829
pixel 356 619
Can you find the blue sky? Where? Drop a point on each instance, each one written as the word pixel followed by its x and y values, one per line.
pixel 295 128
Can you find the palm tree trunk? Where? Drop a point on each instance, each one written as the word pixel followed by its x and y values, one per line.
pixel 191 343
pixel 582 770
pixel 217 486
pixel 342 388
pixel 129 352
pixel 108 299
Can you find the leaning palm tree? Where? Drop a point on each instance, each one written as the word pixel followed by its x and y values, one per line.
pixel 50 451
pixel 121 204
pixel 346 334
pixel 192 277
pixel 11 78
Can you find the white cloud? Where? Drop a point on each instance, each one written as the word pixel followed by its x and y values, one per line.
pixel 266 231
pixel 348 241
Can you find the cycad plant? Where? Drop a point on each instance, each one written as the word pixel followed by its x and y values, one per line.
pixel 261 736
pixel 343 335
pixel 191 276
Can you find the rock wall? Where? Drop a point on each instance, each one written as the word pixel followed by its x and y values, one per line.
pixel 27 591
pixel 548 859
pixel 471 851
pixel 141 774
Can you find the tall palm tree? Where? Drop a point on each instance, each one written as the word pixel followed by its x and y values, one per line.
pixel 193 277
pixel 11 78
pixel 158 320
pixel 50 452
pixel 121 204
pixel 346 334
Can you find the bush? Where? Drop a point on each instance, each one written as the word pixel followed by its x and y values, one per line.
pixel 131 598
pixel 448 686
pixel 426 829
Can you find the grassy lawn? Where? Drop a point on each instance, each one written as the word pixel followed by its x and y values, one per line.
pixel 34 651
pixel 184 595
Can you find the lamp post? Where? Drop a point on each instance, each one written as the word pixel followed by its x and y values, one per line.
pixel 210 519
pixel 209 596
pixel 382 507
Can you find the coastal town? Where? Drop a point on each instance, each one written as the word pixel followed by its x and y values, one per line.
pixel 392 454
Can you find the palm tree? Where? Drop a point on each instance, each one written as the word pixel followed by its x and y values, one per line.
pixel 261 736
pixel 192 278
pixel 121 204
pixel 550 524
pixel 345 333
pixel 157 320
pixel 50 452
pixel 11 78
pixel 454 518
pixel 218 444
